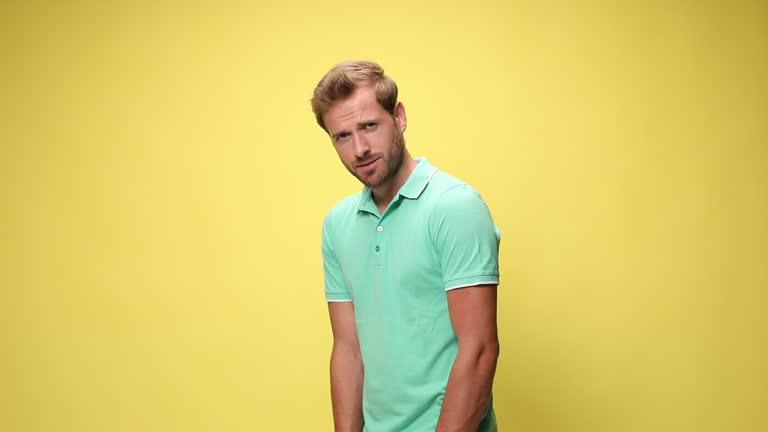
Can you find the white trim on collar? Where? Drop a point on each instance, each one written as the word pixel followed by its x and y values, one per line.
pixel 427 182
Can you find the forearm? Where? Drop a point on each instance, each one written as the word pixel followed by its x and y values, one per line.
pixel 347 389
pixel 469 389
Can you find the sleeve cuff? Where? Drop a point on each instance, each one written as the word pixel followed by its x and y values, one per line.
pixel 337 297
pixel 471 281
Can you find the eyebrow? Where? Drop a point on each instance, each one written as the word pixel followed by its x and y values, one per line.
pixel 362 123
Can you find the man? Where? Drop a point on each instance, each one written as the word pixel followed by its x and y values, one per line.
pixel 411 269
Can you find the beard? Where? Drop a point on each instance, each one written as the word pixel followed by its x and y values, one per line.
pixel 390 163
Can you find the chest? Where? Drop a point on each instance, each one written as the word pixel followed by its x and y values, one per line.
pixel 390 262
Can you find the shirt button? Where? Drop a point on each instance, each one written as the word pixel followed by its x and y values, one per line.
pixel 377 248
pixel 379 228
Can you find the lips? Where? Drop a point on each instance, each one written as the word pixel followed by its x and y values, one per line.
pixel 366 164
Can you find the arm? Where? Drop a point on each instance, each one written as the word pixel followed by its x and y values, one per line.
pixel 346 369
pixel 473 316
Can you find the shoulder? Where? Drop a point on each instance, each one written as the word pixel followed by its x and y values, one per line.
pixel 338 216
pixel 456 207
pixel 344 208
pixel 450 193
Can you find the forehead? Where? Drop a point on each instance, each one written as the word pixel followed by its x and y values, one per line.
pixel 360 106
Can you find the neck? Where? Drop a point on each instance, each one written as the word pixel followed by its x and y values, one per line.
pixel 382 195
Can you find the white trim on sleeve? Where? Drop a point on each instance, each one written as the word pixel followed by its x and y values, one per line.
pixel 473 284
pixel 338 301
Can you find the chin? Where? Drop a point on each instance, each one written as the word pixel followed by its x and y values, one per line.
pixel 377 183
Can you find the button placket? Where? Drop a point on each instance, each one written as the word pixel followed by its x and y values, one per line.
pixel 379 229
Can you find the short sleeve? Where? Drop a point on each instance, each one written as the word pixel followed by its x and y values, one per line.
pixel 465 238
pixel 335 288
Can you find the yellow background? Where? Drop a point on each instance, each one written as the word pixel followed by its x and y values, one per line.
pixel 163 184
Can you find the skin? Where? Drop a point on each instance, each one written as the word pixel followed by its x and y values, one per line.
pixel 369 142
pixel 473 317
pixel 346 369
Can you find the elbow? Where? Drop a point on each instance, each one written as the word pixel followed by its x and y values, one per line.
pixel 488 358
pixel 496 349
pixel 484 353
pixel 491 352
pixel 348 352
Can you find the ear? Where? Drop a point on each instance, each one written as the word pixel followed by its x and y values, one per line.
pixel 401 121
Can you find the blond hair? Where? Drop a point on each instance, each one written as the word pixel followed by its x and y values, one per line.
pixel 346 77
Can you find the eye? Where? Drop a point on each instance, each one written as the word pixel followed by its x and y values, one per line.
pixel 370 126
pixel 342 136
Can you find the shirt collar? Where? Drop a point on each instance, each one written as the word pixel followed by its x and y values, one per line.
pixel 412 189
pixel 418 180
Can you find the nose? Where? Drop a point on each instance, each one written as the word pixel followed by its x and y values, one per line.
pixel 361 145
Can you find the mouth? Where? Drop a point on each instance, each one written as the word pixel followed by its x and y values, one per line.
pixel 367 165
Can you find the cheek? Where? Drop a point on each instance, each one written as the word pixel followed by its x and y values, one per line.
pixel 381 140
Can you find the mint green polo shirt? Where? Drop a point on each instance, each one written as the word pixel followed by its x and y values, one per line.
pixel 436 235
